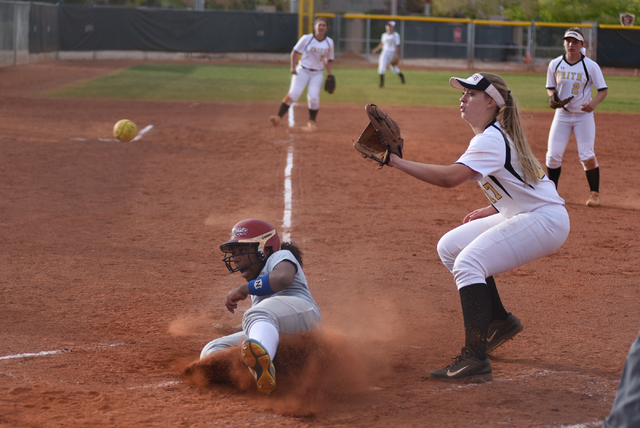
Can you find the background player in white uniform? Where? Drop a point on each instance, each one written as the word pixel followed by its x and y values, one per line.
pixel 280 298
pixel 316 50
pixel 526 219
pixel 390 45
pixel 573 74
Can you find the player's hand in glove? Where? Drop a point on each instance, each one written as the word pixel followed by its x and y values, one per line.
pixel 380 138
pixel 395 60
pixel 555 101
pixel 330 84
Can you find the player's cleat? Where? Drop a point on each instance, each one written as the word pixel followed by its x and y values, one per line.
pixel 465 366
pixel 402 78
pixel 275 120
pixel 312 125
pixel 594 199
pixel 501 331
pixel 260 365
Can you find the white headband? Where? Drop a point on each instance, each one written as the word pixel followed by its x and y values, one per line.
pixel 479 83
pixel 574 34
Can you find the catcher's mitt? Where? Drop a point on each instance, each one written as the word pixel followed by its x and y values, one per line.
pixel 380 138
pixel 395 60
pixel 555 101
pixel 330 84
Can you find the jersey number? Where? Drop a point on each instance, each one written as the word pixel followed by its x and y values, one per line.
pixel 574 88
pixel 491 193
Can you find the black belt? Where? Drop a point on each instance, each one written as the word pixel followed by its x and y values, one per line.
pixel 310 69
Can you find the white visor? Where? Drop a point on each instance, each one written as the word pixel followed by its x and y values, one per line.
pixel 479 83
pixel 574 34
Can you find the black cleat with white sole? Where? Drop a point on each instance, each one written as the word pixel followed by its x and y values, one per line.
pixel 465 366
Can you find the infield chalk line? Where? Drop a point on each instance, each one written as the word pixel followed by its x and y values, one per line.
pixel 58 351
pixel 35 354
pixel 137 137
pixel 286 219
pixel 292 122
pixel 142 132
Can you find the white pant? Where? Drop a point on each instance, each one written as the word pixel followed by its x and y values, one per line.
pixel 385 60
pixel 307 77
pixel 289 314
pixel 492 245
pixel 583 125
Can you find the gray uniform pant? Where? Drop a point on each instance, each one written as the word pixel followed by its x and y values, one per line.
pixel 625 412
pixel 289 314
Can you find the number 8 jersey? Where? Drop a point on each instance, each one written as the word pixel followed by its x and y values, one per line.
pixel 575 80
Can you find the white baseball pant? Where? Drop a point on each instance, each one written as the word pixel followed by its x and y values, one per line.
pixel 385 60
pixel 306 77
pixel 289 314
pixel 491 245
pixel 583 125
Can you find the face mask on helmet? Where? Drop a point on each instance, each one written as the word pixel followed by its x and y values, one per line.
pixel 254 236
pixel 247 255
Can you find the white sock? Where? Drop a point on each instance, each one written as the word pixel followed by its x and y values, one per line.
pixel 268 336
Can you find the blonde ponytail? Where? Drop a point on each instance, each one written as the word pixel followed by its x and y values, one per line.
pixel 509 118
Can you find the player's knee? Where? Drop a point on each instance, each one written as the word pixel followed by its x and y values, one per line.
pixel 288 100
pixel 553 161
pixel 447 257
pixel 589 164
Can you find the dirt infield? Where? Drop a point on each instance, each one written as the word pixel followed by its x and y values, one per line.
pixel 112 279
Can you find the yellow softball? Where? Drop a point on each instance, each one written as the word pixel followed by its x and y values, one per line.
pixel 125 130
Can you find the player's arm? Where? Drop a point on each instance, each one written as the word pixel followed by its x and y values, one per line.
pixel 439 175
pixel 551 91
pixel 591 105
pixel 480 213
pixel 278 279
pixel 329 66
pixel 294 61
pixel 377 48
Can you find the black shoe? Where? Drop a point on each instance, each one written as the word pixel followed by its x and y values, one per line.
pixel 465 366
pixel 402 78
pixel 501 331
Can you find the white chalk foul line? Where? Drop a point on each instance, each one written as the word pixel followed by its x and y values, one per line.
pixel 34 354
pixel 137 137
pixel 286 219
pixel 58 351
pixel 142 132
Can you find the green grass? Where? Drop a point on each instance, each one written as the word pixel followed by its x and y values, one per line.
pixel 354 85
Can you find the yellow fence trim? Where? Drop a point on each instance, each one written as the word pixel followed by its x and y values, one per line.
pixel 325 15
pixel 618 27
pixel 562 24
pixel 505 23
pixel 405 18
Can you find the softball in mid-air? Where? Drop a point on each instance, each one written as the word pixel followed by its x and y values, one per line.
pixel 125 130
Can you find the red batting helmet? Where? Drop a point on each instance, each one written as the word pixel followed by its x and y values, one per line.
pixel 252 232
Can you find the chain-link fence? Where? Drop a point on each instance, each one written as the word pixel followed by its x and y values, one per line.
pixel 14 33
pixel 29 31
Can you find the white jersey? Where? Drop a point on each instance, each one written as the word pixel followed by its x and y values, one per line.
pixel 314 52
pixel 575 80
pixel 299 288
pixel 493 156
pixel 390 42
